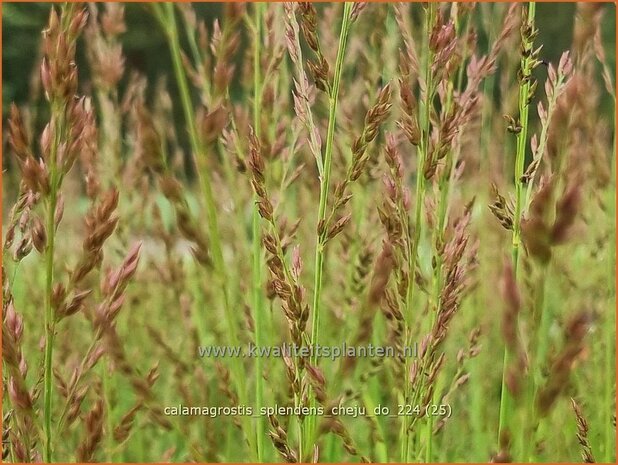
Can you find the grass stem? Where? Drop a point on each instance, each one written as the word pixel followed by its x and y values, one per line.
pixel 413 246
pixel 520 158
pixel 258 303
pixel 324 188
pixel 50 320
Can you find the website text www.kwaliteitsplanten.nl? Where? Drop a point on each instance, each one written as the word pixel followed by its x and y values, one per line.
pixel 318 351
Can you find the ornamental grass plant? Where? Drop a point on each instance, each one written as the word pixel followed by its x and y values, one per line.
pixel 435 181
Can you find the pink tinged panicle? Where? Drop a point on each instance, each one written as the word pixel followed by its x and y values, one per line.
pixel 441 36
pixel 542 114
pixel 9 236
pixel 309 23
pixel 39 237
pixel 316 374
pixel 565 66
pixel 18 138
pixel 46 140
pixel 70 88
pixel 78 22
pixel 43 177
pixel 52 25
pixel 257 166
pixel 288 361
pixel 23 367
pixel 407 202
pixel 20 451
pixel 46 78
pixel 171 188
pixel 94 433
pixel 115 307
pixel 76 304
pixel 18 395
pixel 131 261
pixel 35 176
pixel 357 9
pixel 95 356
pixel 389 185
pixel 582 433
pixel 59 213
pixel 297 262
pixel 14 322
pixel 107 205
pixel 116 280
pixel 214 123
pixel 23 248
pixel 339 225
pixel 534 142
pixel 552 78
pixel 58 296
pixel 110 282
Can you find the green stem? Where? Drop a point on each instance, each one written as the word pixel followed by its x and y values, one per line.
pixel 524 90
pixel 324 187
pixel 539 336
pixel 49 329
pixel 520 159
pixel 258 304
pixel 423 156
pixel 50 321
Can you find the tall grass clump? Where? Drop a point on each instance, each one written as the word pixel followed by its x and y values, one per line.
pixel 69 134
pixel 302 232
